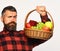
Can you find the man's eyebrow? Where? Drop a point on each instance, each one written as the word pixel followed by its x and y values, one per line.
pixel 10 16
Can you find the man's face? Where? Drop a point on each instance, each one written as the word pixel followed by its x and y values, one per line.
pixel 9 20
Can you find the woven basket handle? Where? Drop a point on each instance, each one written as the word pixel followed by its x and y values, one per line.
pixel 35 10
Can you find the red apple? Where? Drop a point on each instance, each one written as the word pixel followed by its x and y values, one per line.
pixel 45 28
pixel 28 25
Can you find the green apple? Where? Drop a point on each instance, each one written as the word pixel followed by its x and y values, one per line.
pixel 49 24
pixel 40 25
pixel 34 27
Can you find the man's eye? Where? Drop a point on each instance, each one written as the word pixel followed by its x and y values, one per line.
pixel 9 16
pixel 14 16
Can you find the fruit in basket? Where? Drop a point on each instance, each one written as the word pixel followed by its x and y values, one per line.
pixel 49 24
pixel 40 25
pixel 34 27
pixel 28 25
pixel 33 23
pixel 45 28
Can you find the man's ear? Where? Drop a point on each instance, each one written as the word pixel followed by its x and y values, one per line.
pixel 1 18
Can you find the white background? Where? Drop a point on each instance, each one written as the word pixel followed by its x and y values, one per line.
pixel 24 6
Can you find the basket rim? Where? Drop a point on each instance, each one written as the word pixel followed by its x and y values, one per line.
pixel 37 30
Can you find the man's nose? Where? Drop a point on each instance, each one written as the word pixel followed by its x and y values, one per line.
pixel 13 19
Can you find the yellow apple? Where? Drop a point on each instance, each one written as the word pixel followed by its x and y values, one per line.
pixel 49 24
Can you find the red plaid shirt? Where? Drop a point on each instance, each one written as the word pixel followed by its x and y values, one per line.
pixel 17 41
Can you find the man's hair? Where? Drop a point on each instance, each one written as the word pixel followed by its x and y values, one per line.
pixel 10 8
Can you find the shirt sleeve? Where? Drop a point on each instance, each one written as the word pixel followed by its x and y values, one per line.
pixel 32 41
pixel 35 42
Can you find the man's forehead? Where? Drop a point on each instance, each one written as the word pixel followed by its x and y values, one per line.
pixel 8 12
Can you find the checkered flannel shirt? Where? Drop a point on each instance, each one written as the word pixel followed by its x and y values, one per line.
pixel 17 41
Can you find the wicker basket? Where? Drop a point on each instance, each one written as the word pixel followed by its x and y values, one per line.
pixel 38 34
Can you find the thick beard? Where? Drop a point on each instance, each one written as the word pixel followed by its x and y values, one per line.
pixel 10 26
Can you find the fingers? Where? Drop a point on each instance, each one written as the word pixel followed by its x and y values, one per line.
pixel 41 10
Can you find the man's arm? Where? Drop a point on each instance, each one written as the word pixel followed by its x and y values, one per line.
pixel 35 42
pixel 32 41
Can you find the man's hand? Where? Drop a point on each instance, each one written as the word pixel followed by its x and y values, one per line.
pixel 41 10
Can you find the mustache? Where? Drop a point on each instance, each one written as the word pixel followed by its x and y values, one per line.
pixel 12 22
